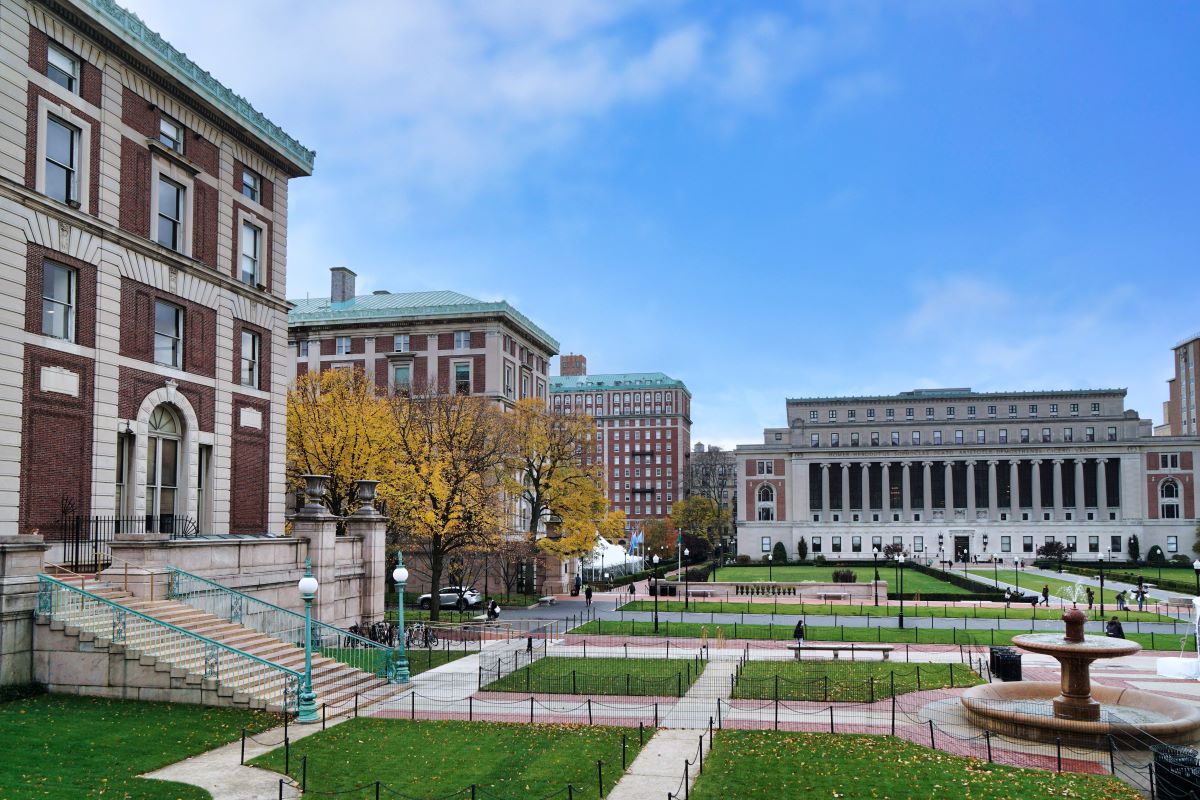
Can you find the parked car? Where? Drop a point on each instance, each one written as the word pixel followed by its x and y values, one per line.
pixel 460 597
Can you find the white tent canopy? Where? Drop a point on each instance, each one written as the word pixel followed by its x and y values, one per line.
pixel 610 558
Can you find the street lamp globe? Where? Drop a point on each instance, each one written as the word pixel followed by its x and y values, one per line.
pixel 308 587
pixel 900 558
pixel 1196 565
pixel 400 574
pixel 686 552
pixel 655 559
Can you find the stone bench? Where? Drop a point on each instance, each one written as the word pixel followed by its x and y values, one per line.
pixel 548 600
pixel 700 593
pixel 826 597
pixel 837 649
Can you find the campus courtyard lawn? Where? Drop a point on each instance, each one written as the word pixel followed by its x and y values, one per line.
pixel 846 681
pixel 421 660
pixel 913 581
pixel 642 677
pixel 77 747
pixel 762 764
pixel 967 610
pixel 844 633
pixel 437 759
pixel 1033 585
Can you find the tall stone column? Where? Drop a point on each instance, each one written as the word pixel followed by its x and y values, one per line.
pixel 825 510
pixel 866 487
pixel 1014 488
pixel 372 526
pixel 971 491
pixel 927 486
pixel 845 491
pixel 1058 489
pixel 948 472
pixel 1102 487
pixel 906 490
pixel 1080 494
pixel 314 524
pixel 993 491
pixel 886 493
pixel 1037 489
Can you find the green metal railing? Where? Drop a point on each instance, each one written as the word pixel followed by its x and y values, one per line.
pixel 280 623
pixel 181 648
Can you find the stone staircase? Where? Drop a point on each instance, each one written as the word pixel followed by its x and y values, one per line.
pixel 335 684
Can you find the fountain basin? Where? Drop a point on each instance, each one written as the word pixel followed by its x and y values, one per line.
pixel 1075 652
pixel 1027 710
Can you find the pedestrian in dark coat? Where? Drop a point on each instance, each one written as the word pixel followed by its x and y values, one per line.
pixel 798 634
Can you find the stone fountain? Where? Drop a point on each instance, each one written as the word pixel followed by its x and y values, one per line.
pixel 1074 710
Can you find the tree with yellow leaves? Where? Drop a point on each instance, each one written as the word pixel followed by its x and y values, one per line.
pixel 336 426
pixel 443 490
pixel 559 491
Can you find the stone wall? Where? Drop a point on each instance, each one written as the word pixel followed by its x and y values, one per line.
pixel 20 564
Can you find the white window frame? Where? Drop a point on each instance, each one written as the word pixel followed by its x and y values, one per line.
pixel 462 340
pixel 402 343
pixel 162 167
pixel 172 140
pixel 74 64
pixel 254 184
pixel 177 336
pixel 454 367
pixel 83 149
pixel 765 466
pixel 397 386
pixel 249 228
pixel 248 373
pixel 302 348
pixel 342 345
pixel 68 307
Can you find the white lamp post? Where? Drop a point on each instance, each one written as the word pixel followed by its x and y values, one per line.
pixel 400 658
pixel 657 591
pixel 308 587
pixel 900 561
pixel 686 552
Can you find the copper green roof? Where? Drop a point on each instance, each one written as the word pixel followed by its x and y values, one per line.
pixel 130 29
pixel 623 380
pixel 954 394
pixel 409 306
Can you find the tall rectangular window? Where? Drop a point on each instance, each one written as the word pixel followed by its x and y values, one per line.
pixel 170 133
pixel 251 254
pixel 958 437
pixel 302 347
pixel 341 346
pixel 462 340
pixel 251 357
pixel 168 334
pixel 402 378
pixel 462 378
pixel 251 185
pixel 62 68
pixel 400 343
pixel 1003 436
pixel 1112 433
pixel 58 301
pixel 170 214
pixel 62 158
pixel 981 436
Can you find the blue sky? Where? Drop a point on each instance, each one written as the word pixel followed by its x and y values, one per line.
pixel 765 200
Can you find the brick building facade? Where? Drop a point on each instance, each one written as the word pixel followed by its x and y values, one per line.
pixel 143 219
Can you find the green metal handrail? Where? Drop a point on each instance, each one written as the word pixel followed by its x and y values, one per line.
pixel 288 626
pixel 186 649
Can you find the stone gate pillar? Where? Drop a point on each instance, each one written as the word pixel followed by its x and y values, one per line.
pixel 314 524
pixel 372 526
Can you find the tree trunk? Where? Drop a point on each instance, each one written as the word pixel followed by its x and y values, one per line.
pixel 435 580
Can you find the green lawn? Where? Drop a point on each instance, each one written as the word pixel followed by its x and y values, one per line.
pixel 64 746
pixel 642 677
pixel 913 581
pixel 829 633
pixel 769 765
pixel 437 759
pixel 940 610
pixel 420 660
pixel 1034 583
pixel 845 681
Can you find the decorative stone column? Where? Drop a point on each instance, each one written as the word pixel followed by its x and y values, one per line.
pixel 1014 489
pixel 927 488
pixel 372 526
pixel 845 491
pixel 1080 492
pixel 1037 489
pixel 1058 489
pixel 1102 487
pixel 21 561
pixel 948 480
pixel 993 491
pixel 906 490
pixel 970 491
pixel 866 487
pixel 825 508
pixel 314 524
pixel 886 493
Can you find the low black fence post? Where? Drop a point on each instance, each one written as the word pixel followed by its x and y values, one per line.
pixel 776 712
pixel 641 733
pixel 287 756
pixel 570 792
pixel 413 702
pixel 932 744
pixel 376 790
pixel 656 715
pixel 600 776
pixel 987 737
pixel 590 713
pixel 1058 751
pixel 1112 762
pixel 323 706
pixel 893 715
pixel 831 719
pixel 281 789
pixel 356 705
pixel 531 708
pixel 622 751
pixel 303 773
pixel 471 708
pixel 243 759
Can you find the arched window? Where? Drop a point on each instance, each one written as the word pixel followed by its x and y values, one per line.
pixel 162 469
pixel 1168 499
pixel 766 502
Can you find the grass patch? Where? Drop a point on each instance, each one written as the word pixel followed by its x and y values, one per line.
pixel 759 764
pixel 845 681
pixel 421 660
pixel 941 611
pixel 914 581
pixel 436 759
pixel 845 633
pixel 68 746
pixel 1034 583
pixel 640 677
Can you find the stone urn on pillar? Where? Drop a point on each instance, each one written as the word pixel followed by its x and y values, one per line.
pixel 365 491
pixel 314 491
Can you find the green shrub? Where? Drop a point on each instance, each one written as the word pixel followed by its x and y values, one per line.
pixel 1135 548
pixel 801 549
pixel 779 553
pixel 743 559
pixel 1155 556
pixel 845 576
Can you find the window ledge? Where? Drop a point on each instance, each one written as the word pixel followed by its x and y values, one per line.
pixel 183 161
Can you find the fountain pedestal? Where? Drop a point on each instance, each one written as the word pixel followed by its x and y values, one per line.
pixel 1076 701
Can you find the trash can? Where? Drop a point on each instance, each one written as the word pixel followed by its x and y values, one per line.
pixel 1008 666
pixel 993 653
pixel 1176 772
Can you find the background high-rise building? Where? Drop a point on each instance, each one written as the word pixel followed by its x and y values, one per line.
pixel 1179 412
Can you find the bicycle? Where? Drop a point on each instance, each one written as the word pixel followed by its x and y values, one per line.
pixel 420 635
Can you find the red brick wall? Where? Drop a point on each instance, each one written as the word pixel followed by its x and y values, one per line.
pixel 264 354
pixel 752 499
pixel 358 345
pixel 92 202
pixel 56 442
pixel 137 114
pixel 249 462
pixel 89 78
pixel 751 467
pixel 419 342
pixel 137 328
pixel 135 385
pixel 478 373
pixel 204 153
pixel 381 375
pixel 384 344
pixel 135 188
pixel 443 375
pixel 302 368
pixel 85 301
pixel 420 373
pixel 204 224
pixel 478 340
pixel 445 341
pixel 328 346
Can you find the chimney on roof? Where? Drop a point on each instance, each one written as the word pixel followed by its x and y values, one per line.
pixel 572 365
pixel 341 286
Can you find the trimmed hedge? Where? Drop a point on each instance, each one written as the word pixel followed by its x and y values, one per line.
pixel 981 590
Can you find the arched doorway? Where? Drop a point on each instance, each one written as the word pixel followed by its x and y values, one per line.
pixel 163 445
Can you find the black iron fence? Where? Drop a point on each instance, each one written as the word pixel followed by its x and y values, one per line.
pixel 87 540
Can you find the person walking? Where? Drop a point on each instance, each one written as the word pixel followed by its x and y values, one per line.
pixel 632 590
pixel 493 611
pixel 1007 596
pixel 1091 597
pixel 1046 594
pixel 1139 594
pixel 1121 601
pixel 798 634
pixel 587 595
pixel 1113 629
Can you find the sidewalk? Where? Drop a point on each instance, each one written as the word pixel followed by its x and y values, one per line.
pixel 658 769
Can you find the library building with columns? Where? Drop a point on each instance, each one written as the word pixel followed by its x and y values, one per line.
pixel 953 474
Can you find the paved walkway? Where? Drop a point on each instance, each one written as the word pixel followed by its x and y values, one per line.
pixel 659 767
